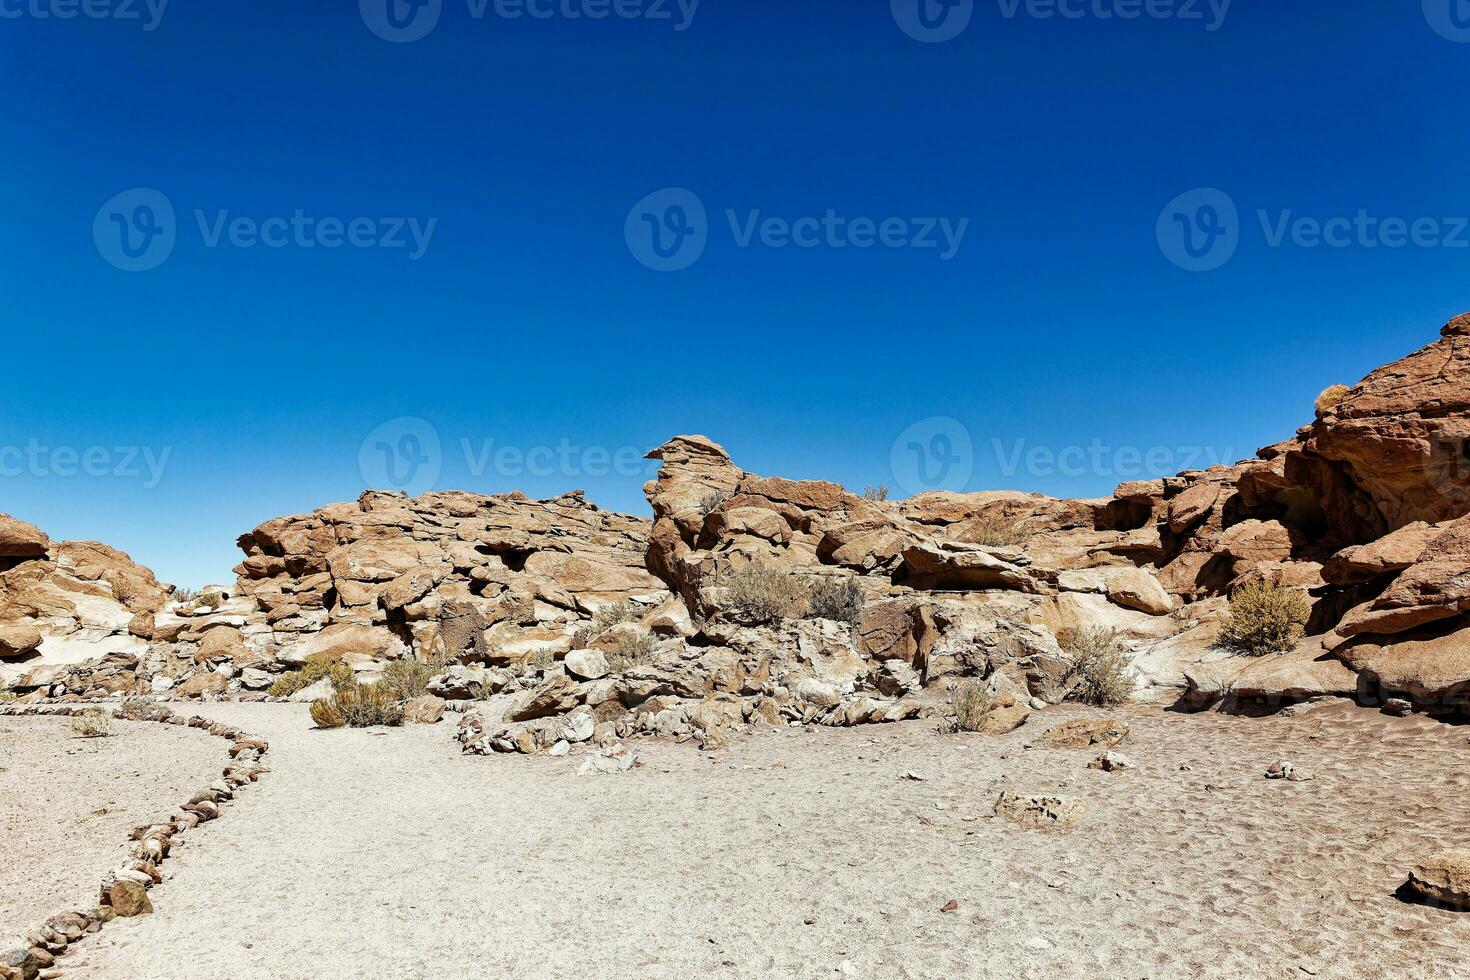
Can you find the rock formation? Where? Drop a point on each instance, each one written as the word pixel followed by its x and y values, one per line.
pixel 68 603
pixel 751 599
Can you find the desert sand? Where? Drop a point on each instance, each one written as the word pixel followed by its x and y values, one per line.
pixel 68 803
pixel 814 852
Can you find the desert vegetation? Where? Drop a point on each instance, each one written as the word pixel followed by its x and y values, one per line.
pixel 92 724
pixel 839 599
pixel 993 529
pixel 1094 668
pixel 1330 398
pixel 315 668
pixel 1265 618
pixel 971 704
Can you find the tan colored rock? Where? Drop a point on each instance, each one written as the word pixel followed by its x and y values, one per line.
pixel 425 709
pixel 128 899
pixel 1081 733
pixel 1040 812
pixel 21 540
pixel 208 684
pixel 1444 879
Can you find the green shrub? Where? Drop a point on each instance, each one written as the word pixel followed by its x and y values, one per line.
pixel 1265 618
pixel 839 599
pixel 316 667
pixel 991 529
pixel 1330 398
pixel 763 594
pixel 971 703
pixel 631 651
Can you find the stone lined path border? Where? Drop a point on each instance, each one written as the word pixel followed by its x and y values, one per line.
pixel 124 890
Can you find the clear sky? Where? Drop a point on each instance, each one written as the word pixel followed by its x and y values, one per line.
pixel 977 275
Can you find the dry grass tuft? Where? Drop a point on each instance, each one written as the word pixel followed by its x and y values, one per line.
pixel 317 666
pixel 93 724
pixel 603 620
pixel 358 706
pixel 1097 668
pixel 1265 618
pixel 972 704
pixel 990 529
pixel 631 651
pixel 763 594
pixel 837 599
pixel 409 678
pixel 1330 398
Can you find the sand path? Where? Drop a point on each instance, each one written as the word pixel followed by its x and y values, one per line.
pixel 807 854
pixel 67 805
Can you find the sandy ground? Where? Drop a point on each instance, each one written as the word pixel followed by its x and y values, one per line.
pixel 805 853
pixel 68 803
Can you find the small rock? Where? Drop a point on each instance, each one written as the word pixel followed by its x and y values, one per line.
pixel 1111 762
pixel 129 898
pixel 425 709
pixel 1080 733
pixel 950 906
pixel 1444 879
pixel 1398 706
pixel 559 749
pixel 1285 770
pixel 1040 812
pixel 911 775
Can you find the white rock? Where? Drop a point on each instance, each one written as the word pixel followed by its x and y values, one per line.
pixel 589 665
pixel 559 749
pixel 576 727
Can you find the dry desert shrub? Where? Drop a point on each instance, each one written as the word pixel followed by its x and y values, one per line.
pixel 92 724
pixel 971 704
pixel 316 667
pixel 999 531
pixel 763 594
pixel 358 706
pixel 409 678
pixel 603 620
pixel 325 715
pixel 1096 671
pixel 710 502
pixel 183 596
pixel 212 599
pixel 875 493
pixel 1265 618
pixel 1330 398
pixel 138 708
pixel 837 599
pixel 630 652
pixel 6 697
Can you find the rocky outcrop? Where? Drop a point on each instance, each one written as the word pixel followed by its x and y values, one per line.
pixel 64 603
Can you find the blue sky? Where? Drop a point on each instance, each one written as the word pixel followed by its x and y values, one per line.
pixel 165 411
